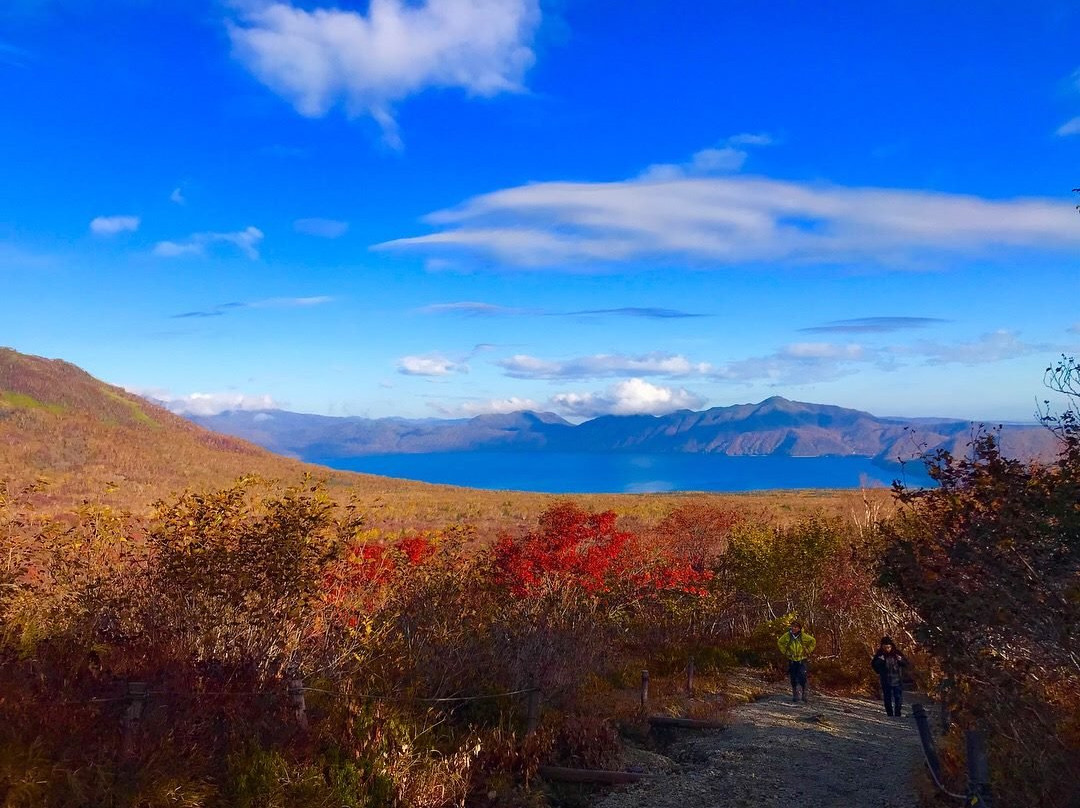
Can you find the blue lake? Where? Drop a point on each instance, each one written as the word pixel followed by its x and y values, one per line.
pixel 579 473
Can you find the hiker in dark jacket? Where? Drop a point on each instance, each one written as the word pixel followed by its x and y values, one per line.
pixel 889 665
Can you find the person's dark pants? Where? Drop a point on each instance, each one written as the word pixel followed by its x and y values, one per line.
pixel 893 696
pixel 797 674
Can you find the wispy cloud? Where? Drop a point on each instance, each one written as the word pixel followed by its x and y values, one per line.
pixel 14 56
pixel 475 308
pixel 430 365
pixel 629 397
pixel 874 325
pixel 802 363
pixel 992 347
pixel 112 225
pixel 323 228
pixel 734 220
pixel 523 366
pixel 813 362
pixel 729 155
pixel 206 403
pixel 246 241
pixel 472 308
pixel 177 196
pixel 367 63
pixel 271 303
pixel 1070 127
pixel 649 312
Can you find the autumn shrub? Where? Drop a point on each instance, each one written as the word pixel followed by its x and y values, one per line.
pixel 418 649
pixel 580 592
pixel 990 561
pixel 586 742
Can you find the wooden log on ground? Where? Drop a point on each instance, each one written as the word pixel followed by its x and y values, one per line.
pixel 685 723
pixel 591 775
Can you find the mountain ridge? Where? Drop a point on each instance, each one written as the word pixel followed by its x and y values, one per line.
pixel 775 426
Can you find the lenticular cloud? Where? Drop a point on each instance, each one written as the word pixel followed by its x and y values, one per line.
pixel 728 220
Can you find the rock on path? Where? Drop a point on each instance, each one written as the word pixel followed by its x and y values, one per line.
pixel 831 753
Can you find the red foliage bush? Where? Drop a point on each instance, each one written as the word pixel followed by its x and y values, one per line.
pixel 587 552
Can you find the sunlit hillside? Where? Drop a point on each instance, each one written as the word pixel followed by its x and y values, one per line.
pixel 89 440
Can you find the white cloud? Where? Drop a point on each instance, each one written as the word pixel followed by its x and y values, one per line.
pixel 803 363
pixel 323 228
pixel 291 302
pixel 734 220
pixel 522 366
pixel 431 365
pixel 178 197
pixel 207 403
pixel 1070 127
pixel 495 406
pixel 814 362
pixel 727 157
pixel 992 347
pixel 111 225
pixel 272 303
pixel 247 241
pixel 824 350
pixel 321 58
pixel 472 308
pixel 629 397
pixel 751 139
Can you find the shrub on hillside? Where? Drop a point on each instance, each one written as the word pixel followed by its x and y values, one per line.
pixel 990 561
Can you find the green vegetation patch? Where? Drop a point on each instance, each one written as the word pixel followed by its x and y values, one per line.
pixel 19 401
pixel 136 411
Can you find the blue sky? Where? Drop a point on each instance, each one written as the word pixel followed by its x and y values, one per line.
pixel 452 207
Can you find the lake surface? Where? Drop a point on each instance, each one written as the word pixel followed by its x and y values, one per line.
pixel 574 473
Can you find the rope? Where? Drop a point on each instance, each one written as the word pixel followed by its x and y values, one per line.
pixel 92 700
pixel 933 775
pixel 352 696
pixel 444 700
pixel 195 694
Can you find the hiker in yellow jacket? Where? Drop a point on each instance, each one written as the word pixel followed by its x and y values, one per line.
pixel 796 645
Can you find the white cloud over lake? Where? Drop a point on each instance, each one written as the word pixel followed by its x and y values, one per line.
pixel 629 397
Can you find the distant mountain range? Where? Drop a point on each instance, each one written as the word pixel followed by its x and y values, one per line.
pixel 775 426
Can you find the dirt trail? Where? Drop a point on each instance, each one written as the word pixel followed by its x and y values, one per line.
pixel 830 753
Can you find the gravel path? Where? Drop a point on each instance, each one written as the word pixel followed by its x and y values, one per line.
pixel 830 753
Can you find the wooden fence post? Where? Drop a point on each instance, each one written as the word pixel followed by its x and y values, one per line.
pixel 978 770
pixel 532 714
pixel 129 743
pixel 644 689
pixel 136 694
pixel 690 677
pixel 922 722
pixel 296 698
